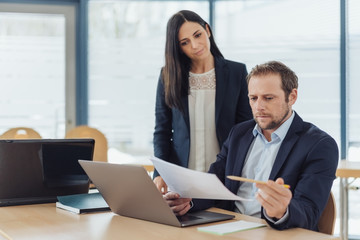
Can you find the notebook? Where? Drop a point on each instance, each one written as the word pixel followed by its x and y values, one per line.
pixel 82 203
pixel 130 192
pixel 39 170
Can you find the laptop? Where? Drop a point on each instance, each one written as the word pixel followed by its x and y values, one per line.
pixel 38 170
pixel 130 192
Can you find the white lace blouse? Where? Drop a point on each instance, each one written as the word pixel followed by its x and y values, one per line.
pixel 203 142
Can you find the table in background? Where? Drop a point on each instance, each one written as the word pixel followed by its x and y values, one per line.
pixel 346 170
pixel 45 221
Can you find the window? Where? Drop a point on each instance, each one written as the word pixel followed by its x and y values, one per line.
pixel 353 107
pixel 254 32
pixel 36 44
pixel 354 76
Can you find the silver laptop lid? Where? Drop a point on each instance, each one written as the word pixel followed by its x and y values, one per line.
pixel 129 191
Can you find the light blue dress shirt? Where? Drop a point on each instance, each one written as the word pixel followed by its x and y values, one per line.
pixel 258 165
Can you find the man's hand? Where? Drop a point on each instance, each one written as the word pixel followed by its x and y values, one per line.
pixel 274 197
pixel 178 205
pixel 160 184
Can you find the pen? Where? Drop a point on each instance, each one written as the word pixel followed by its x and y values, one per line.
pixel 236 178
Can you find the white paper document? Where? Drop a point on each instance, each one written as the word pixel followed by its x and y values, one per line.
pixel 193 184
pixel 231 227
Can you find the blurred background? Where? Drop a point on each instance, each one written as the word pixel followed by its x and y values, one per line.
pixel 97 63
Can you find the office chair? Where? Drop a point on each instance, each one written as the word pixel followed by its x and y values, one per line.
pixel 327 219
pixel 101 145
pixel 20 133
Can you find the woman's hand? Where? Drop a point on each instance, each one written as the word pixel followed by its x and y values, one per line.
pixel 160 184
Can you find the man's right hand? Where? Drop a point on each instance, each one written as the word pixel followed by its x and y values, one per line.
pixel 178 205
pixel 160 184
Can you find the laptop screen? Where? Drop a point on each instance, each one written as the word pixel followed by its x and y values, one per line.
pixel 42 168
pixel 60 165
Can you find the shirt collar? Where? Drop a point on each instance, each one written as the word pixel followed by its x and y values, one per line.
pixel 278 133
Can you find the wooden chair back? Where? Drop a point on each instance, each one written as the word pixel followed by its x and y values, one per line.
pixel 149 168
pixel 20 133
pixel 327 219
pixel 101 144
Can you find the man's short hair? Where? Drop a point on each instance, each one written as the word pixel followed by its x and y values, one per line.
pixel 288 77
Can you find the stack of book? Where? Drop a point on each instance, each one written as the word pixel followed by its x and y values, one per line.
pixel 82 203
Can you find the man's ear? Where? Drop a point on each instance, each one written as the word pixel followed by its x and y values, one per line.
pixel 293 96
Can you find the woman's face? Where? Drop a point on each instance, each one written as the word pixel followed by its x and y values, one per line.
pixel 194 41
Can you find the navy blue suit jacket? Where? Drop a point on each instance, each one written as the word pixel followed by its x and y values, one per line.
pixel 307 161
pixel 172 127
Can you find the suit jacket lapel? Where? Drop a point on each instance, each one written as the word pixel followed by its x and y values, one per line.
pixel 221 73
pixel 286 146
pixel 244 145
pixel 185 102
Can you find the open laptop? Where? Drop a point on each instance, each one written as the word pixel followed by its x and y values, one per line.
pixel 39 170
pixel 130 192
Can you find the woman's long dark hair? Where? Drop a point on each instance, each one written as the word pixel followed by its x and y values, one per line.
pixel 177 64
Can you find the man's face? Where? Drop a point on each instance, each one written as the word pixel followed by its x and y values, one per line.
pixel 267 100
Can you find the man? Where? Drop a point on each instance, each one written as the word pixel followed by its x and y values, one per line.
pixel 277 147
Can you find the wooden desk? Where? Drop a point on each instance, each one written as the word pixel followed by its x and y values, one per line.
pixel 345 171
pixel 45 221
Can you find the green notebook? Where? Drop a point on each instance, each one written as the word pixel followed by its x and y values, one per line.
pixel 225 228
pixel 82 203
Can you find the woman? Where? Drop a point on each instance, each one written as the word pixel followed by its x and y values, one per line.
pixel 200 96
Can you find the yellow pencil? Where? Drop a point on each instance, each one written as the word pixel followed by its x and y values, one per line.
pixel 236 178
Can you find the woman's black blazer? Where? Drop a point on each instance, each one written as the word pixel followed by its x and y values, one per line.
pixel 172 127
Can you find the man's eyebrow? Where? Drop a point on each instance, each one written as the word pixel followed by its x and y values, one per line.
pixel 262 95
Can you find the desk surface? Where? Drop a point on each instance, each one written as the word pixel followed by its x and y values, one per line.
pixel 348 169
pixel 45 221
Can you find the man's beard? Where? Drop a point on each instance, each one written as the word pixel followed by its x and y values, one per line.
pixel 274 124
